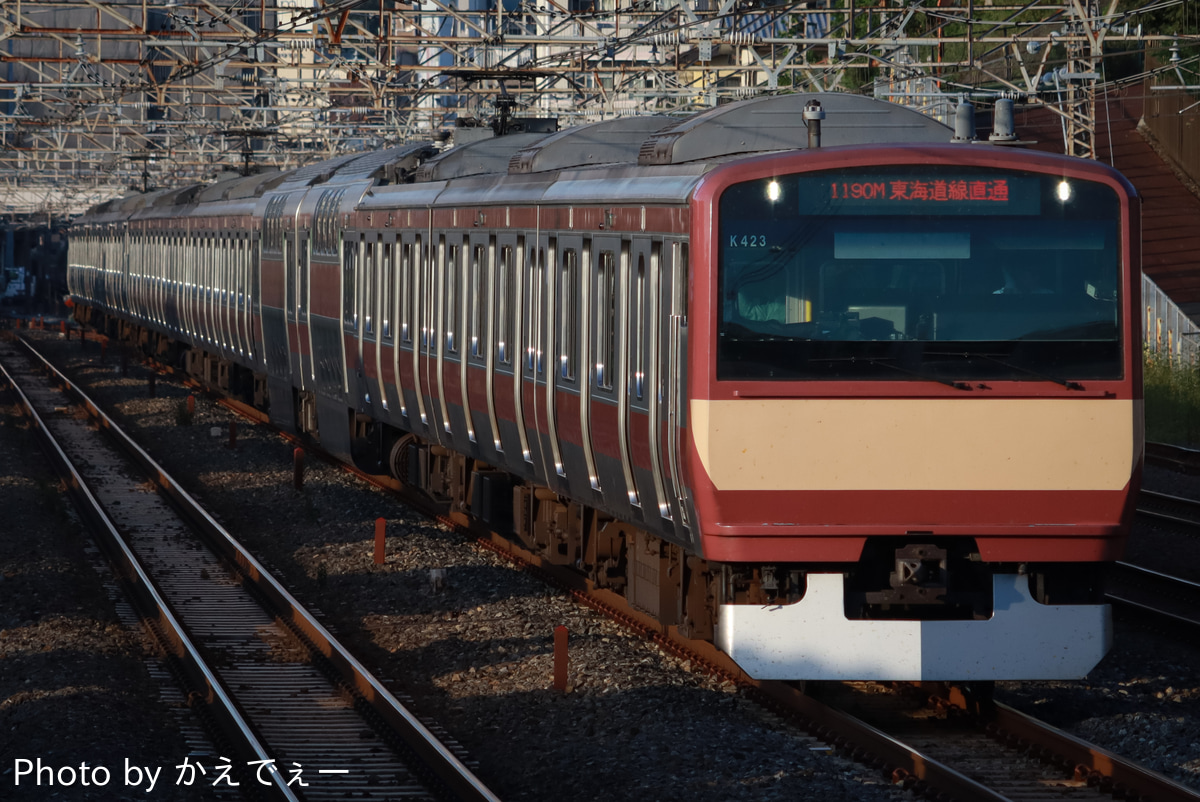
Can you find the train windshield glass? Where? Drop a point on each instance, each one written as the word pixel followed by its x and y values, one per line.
pixel 944 273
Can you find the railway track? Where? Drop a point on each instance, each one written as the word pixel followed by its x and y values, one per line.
pixel 1183 513
pixel 295 716
pixel 947 743
pixel 1159 595
pixel 1184 460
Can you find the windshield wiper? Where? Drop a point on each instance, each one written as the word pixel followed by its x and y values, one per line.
pixel 885 362
pixel 1070 385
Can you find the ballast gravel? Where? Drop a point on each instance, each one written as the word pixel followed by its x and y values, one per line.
pixel 472 645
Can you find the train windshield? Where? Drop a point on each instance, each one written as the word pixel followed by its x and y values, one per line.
pixel 941 273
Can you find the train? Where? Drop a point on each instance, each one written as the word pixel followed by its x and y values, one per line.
pixel 815 377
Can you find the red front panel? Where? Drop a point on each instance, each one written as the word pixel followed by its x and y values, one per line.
pixel 810 514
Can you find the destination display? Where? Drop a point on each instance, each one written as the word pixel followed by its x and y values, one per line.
pixel 845 192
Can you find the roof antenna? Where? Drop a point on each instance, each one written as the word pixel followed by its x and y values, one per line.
pixel 964 121
pixel 813 114
pixel 1003 128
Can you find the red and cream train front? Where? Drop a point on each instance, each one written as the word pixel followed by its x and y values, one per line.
pixel 914 402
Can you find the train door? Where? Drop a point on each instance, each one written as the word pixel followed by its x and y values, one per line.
pixel 641 390
pixel 567 382
pixel 511 348
pixel 395 276
pixel 654 282
pixel 609 447
pixel 673 377
pixel 408 336
pixel 419 305
pixel 478 359
pixel 205 281
pixel 303 353
pixel 385 305
pixel 351 264
pixel 367 318
pixel 449 343
pixel 223 328
pixel 186 286
pixel 243 303
pixel 430 302
pixel 289 293
pixel 277 292
pixel 630 388
pixel 457 347
pixel 533 367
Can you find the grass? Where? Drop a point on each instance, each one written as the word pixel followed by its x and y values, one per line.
pixel 1172 401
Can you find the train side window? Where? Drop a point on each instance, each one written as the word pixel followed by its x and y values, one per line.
pixel 606 319
pixel 255 265
pixel 679 305
pixel 241 273
pixel 478 290
pixel 568 292
pixel 406 292
pixel 389 291
pixel 302 271
pixel 637 333
pixel 349 285
pixel 368 290
pixel 506 289
pixel 535 314
pixel 453 280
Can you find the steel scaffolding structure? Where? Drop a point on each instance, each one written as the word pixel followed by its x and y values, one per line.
pixel 97 96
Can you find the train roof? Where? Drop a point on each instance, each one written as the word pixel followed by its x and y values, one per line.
pixel 628 150
pixel 241 186
pixel 777 123
pixel 390 165
pixel 609 142
pixel 475 158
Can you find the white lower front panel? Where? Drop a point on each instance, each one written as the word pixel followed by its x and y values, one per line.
pixel 812 639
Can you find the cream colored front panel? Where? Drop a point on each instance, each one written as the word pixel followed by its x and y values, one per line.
pixel 916 444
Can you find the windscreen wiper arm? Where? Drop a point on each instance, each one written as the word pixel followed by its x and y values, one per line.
pixel 886 363
pixel 1070 385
